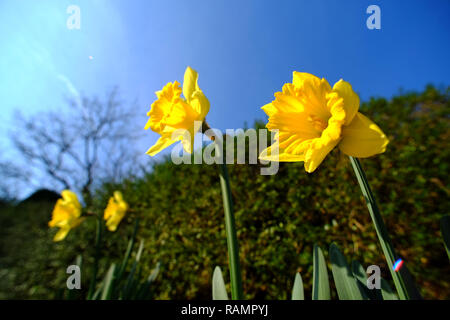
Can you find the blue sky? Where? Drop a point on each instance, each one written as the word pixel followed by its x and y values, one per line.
pixel 244 51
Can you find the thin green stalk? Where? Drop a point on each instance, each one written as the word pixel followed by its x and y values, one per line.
pixel 98 238
pixel 233 248
pixel 386 244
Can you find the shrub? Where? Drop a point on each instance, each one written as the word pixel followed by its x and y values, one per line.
pixel 278 218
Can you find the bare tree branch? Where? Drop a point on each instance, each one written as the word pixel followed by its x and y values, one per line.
pixel 91 144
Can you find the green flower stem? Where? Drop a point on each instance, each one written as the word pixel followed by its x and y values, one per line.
pixel 98 238
pixel 383 237
pixel 233 248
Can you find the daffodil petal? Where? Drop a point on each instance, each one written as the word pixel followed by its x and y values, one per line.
pixel 188 140
pixel 70 197
pixel 362 138
pixel 314 156
pixel 115 211
pixel 200 104
pixel 269 109
pixel 115 220
pixel 77 222
pixel 111 225
pixel 190 84
pixel 60 214
pixel 351 99
pixel 274 153
pixel 109 209
pixel 161 144
pixel 118 196
pixel 61 234
pixel 299 78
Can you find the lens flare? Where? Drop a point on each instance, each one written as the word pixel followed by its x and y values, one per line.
pixel 397 265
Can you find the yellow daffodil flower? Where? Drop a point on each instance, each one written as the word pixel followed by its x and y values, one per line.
pixel 170 113
pixel 312 118
pixel 66 214
pixel 115 211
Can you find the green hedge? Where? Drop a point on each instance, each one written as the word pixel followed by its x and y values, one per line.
pixel 279 217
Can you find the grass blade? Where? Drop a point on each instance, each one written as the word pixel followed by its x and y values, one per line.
pixel 297 290
pixel 346 285
pixel 321 284
pixel 219 292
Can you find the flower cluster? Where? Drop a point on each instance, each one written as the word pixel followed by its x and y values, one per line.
pixel 309 116
pixel 67 213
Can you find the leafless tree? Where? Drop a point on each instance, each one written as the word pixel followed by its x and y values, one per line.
pixel 91 143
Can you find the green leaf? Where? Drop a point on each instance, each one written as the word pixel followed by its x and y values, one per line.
pixel 219 292
pixel 297 290
pixel 361 278
pixel 386 291
pixel 445 231
pixel 128 252
pixel 145 292
pixel 409 283
pixel 321 285
pixel 403 280
pixel 154 273
pixel 131 281
pixel 108 283
pixel 139 253
pixel 346 285
pixel 97 292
